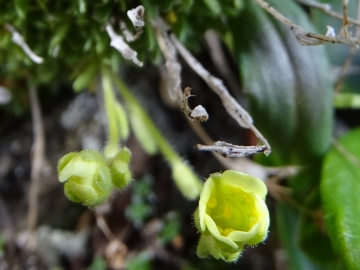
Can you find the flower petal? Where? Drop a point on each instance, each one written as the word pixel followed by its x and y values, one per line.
pixel 239 236
pixel 211 226
pixel 245 182
pixel 204 198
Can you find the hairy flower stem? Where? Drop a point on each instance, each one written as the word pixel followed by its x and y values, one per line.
pixel 131 101
pixel 185 179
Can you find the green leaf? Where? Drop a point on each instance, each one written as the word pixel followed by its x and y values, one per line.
pixel 287 222
pixel 98 264
pixel 142 261
pixel 347 101
pixel 288 85
pixel 340 189
pixel 313 238
pixel 85 77
pixel 21 7
pixel 214 6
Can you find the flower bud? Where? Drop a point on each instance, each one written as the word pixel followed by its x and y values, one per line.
pixel 185 179
pixel 232 212
pixel 87 177
pixel 119 168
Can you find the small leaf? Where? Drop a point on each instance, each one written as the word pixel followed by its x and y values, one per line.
pixel 340 189
pixel 214 6
pixel 85 77
pixel 21 7
pixel 60 34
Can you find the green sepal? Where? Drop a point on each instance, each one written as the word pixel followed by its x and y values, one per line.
pixel 208 245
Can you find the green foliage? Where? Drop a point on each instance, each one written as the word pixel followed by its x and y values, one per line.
pixel 140 208
pixel 312 236
pixel 185 178
pixel 287 84
pixel 287 220
pixel 290 96
pixel 171 227
pixel 97 264
pixel 340 189
pixel 142 261
pixel 72 33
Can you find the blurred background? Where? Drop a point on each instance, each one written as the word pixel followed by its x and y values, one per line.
pixel 56 107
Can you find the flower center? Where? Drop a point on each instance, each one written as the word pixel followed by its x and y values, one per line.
pixel 232 209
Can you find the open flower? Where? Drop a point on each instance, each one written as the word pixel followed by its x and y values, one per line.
pixel 232 213
pixel 87 177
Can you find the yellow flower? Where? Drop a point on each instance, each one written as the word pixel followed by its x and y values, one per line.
pixel 87 177
pixel 232 213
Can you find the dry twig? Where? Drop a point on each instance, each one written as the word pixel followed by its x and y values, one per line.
pixel 118 43
pixel 173 68
pixel 230 104
pixel 349 59
pixel 326 8
pixel 351 157
pixel 19 40
pixel 219 59
pixel 306 38
pixel 38 158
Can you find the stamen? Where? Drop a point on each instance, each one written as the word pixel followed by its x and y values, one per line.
pixel 212 202
pixel 227 212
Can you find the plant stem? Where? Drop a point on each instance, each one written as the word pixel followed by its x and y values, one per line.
pixel 164 147
pixel 109 99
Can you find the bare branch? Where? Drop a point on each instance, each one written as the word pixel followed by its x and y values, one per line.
pixel 38 158
pixel 348 61
pixel 312 39
pixel 230 104
pixel 219 59
pixel 326 8
pixel 19 40
pixel 128 35
pixel 350 156
pixel 118 43
pixel 230 150
pixel 172 65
